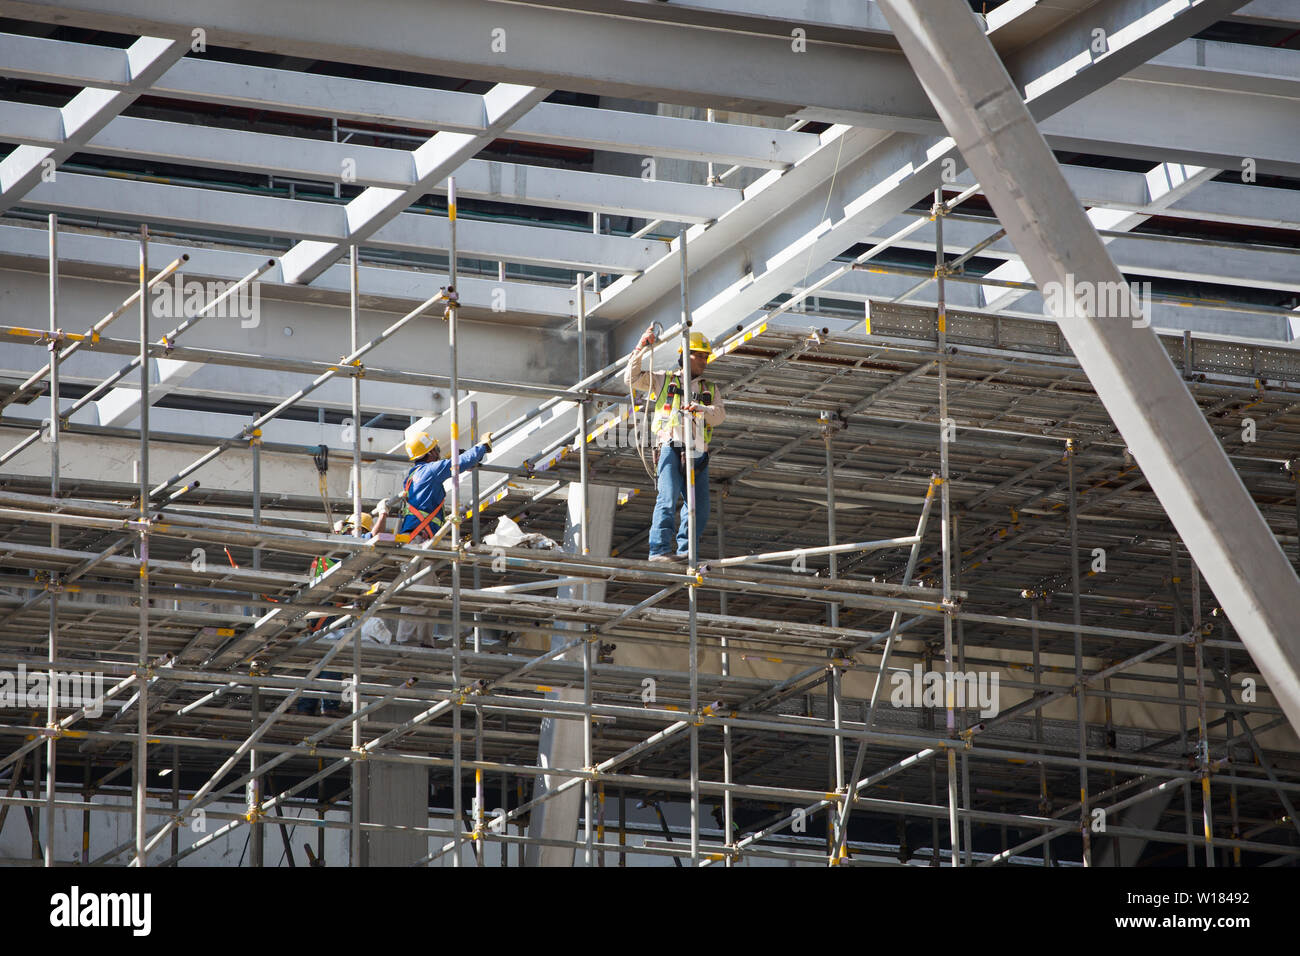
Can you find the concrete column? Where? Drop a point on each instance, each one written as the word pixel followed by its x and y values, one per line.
pixel 561 740
pixel 394 794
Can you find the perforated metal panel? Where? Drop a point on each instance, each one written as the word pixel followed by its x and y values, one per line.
pixel 1279 363
pixel 908 321
pixel 1222 357
pixel 1023 333
pixel 972 328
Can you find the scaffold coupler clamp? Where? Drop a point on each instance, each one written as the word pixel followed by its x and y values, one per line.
pixel 453 301
pixel 832 422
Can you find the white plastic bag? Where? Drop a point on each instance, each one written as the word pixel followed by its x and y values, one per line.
pixel 510 535
pixel 376 630
pixel 507 535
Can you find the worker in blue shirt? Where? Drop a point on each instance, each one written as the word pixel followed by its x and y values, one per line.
pixel 423 487
pixel 426 511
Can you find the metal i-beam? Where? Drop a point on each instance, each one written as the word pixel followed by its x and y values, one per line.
pixel 326 224
pixel 87 113
pixel 396 288
pixel 792 223
pixel 1166 184
pixel 552 46
pixel 1127 365
pixel 348 99
pixel 319 225
pixel 155 141
pixel 431 163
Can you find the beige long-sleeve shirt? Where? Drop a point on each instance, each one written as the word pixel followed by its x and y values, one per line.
pixel 637 378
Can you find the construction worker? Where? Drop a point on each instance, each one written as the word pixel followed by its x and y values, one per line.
pixel 425 504
pixel 319 565
pixel 343 526
pixel 705 411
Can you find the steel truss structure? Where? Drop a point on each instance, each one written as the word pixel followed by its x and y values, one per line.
pixel 916 476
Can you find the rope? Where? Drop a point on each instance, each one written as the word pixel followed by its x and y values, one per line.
pixel 643 441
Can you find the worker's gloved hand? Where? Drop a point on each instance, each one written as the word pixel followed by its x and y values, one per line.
pixel 647 338
pixel 487 440
pixel 383 507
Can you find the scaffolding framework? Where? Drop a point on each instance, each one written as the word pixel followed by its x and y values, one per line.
pixel 983 518
pixel 198 680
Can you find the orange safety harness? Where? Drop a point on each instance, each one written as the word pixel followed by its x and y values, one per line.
pixel 426 517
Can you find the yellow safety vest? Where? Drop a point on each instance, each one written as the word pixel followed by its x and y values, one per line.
pixel 668 405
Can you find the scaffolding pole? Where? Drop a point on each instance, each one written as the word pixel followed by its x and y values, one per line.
pixel 142 661
pixel 946 436
pixel 452 309
pixel 52 584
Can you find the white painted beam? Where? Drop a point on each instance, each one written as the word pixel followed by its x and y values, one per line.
pixel 433 161
pixel 137 67
pixel 328 224
pixel 793 222
pixel 415 107
pixel 207 146
pixel 552 47
pixel 393 288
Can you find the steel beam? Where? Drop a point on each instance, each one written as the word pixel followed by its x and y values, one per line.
pixel 87 113
pixel 793 222
pixel 153 141
pixel 1129 368
pixel 441 155
pixel 413 107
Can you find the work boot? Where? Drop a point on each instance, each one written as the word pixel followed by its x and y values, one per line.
pixel 663 558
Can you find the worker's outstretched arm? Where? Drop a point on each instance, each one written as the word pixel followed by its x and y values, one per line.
pixel 469 459
pixel 636 377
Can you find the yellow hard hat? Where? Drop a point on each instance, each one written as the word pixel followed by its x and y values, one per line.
pixel 699 344
pixel 343 524
pixel 418 440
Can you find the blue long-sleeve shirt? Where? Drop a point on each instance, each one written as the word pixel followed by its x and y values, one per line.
pixel 426 492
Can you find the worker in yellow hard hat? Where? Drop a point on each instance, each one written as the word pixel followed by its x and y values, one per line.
pixel 704 410
pixel 423 486
pixel 420 512
pixel 348 524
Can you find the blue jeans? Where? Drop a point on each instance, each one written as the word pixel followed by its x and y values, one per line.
pixel 672 485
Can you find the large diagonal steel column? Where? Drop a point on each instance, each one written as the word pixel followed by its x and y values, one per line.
pixel 1129 368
